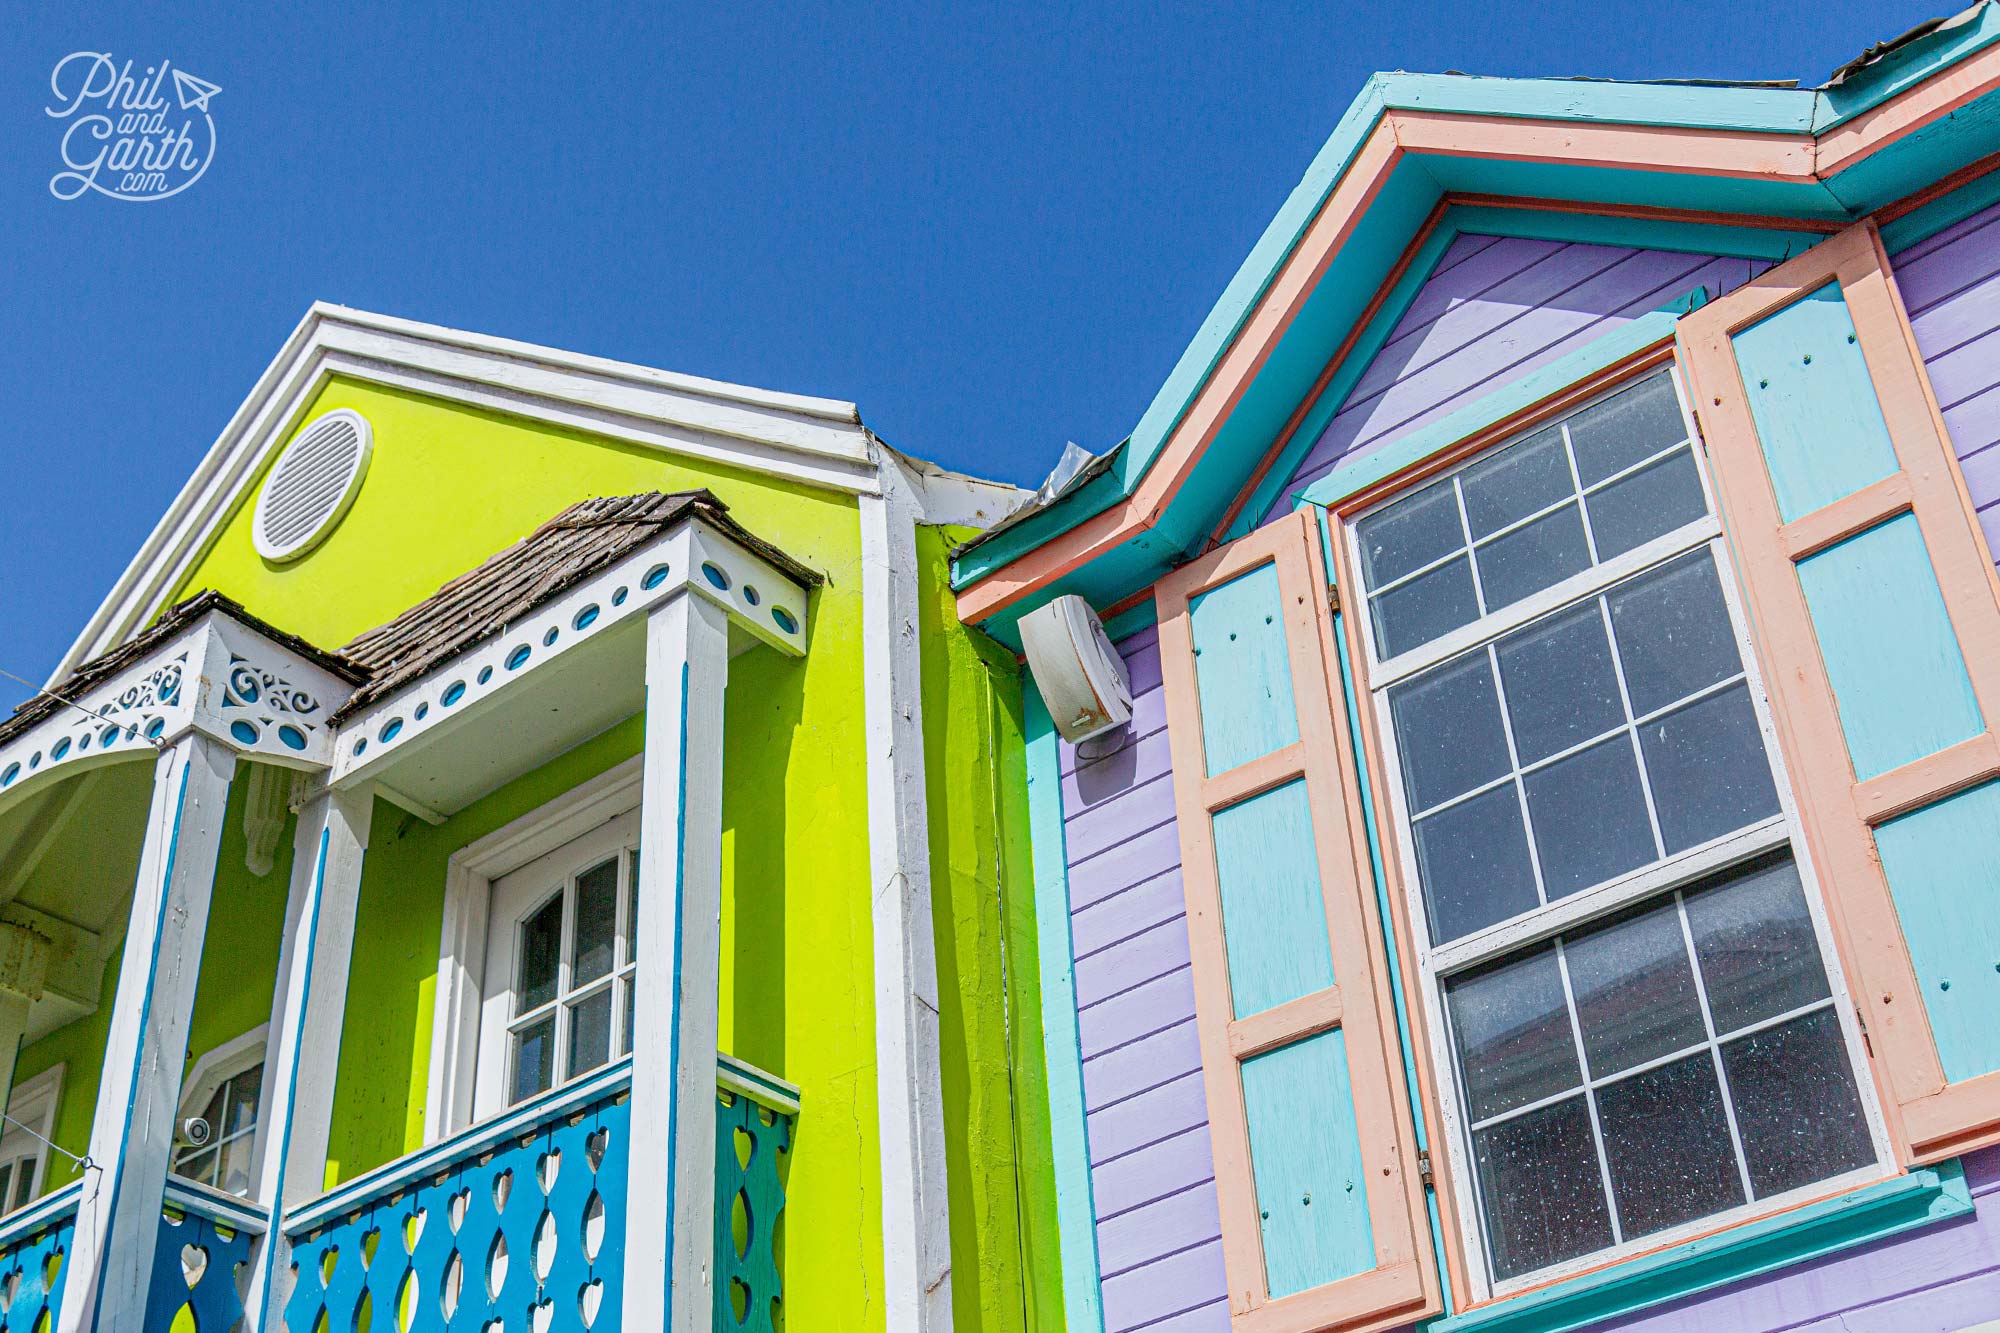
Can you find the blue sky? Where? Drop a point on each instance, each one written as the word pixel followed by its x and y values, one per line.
pixel 994 227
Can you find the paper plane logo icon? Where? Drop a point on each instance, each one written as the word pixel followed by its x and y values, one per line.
pixel 194 93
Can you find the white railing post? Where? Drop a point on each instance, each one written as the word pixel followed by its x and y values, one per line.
pixel 138 1100
pixel 295 1113
pixel 670 1197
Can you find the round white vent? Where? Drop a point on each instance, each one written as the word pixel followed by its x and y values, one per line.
pixel 313 483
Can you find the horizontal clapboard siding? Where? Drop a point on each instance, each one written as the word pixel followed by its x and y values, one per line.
pixel 1951 284
pixel 1152 1173
pixel 1494 310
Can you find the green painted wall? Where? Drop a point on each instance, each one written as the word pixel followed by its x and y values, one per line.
pixel 998 1167
pixel 246 927
pixel 448 486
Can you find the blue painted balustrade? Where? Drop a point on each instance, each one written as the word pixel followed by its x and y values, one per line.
pixel 519 1222
pixel 201 1261
pixel 34 1243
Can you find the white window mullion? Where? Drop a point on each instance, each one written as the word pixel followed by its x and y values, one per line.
pixel 1520 786
pixel 1589 1096
pixel 1714 1046
pixel 1632 729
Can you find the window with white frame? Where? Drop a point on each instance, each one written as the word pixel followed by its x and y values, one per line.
pixel 1635 1007
pixel 560 943
pixel 219 1104
pixel 24 1142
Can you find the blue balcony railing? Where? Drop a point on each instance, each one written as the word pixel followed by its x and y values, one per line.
pixel 520 1220
pixel 34 1244
pixel 201 1262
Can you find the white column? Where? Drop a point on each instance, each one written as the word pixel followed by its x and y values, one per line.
pixel 916 1219
pixel 670 1200
pixel 24 967
pixel 138 1101
pixel 295 1111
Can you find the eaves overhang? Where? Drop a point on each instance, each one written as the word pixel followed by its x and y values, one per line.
pixel 1755 171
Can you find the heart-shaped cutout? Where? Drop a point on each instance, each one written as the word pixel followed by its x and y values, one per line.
pixel 594 1146
pixel 588 1300
pixel 194 1263
pixel 413 1229
pixel 503 1190
pixel 541 1316
pixel 546 1169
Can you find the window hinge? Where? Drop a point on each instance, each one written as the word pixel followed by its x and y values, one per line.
pixel 1424 1168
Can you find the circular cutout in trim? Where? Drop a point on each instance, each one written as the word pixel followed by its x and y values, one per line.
pixel 312 484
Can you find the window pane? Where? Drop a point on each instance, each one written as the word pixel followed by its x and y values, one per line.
pixel 541 949
pixel 198 1165
pixel 7 1181
pixel 1796 1105
pixel 24 1184
pixel 1543 1192
pixel 1411 614
pixel 1531 558
pixel 1473 862
pixel 589 1032
pixel 1561 689
pixel 1708 770
pixel 1448 733
pixel 629 988
pixel 1625 428
pixel 236 1165
pixel 243 1091
pixel 1409 534
pixel 1634 988
pixel 596 922
pixel 1666 1139
pixel 534 1059
pixel 1511 1027
pixel 1520 480
pixel 1673 632
pixel 1753 935
pixel 631 907
pixel 1650 502
pixel 1590 817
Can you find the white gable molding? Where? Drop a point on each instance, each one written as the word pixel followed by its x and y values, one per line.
pixel 813 441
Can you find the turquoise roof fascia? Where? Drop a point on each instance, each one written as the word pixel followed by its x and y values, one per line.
pixel 1400 208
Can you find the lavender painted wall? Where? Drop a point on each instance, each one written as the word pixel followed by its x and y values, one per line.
pixel 1493 310
pixel 1951 284
pixel 1152 1174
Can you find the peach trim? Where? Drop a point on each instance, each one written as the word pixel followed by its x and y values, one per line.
pixel 1845 517
pixel 1931 778
pixel 1416 1000
pixel 1403 1286
pixel 1929 1118
pixel 1675 148
pixel 1936 190
pixel 1644 212
pixel 1932 100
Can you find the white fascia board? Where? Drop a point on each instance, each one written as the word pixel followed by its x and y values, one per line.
pixel 946 498
pixel 812 441
pixel 690 557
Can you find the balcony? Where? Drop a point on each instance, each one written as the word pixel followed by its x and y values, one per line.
pixel 516 1223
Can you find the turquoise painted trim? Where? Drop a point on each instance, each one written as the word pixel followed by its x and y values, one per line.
pixel 1273 907
pixel 1133 619
pixel 1943 867
pixel 1243 674
pixel 1903 69
pixel 1897 671
pixel 50 1208
pixel 1076 1207
pixel 1305 1155
pixel 1818 419
pixel 1699 106
pixel 406 1172
pixel 145 1015
pixel 1650 329
pixel 1696 238
pixel 1945 211
pixel 1858 1217
pixel 766 1089
pixel 201 1201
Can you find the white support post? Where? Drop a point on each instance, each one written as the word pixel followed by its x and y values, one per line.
pixel 916 1218
pixel 670 1200
pixel 296 1108
pixel 138 1100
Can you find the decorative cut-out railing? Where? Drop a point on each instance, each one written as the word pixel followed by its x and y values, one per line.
pixel 34 1248
pixel 519 1223
pixel 201 1261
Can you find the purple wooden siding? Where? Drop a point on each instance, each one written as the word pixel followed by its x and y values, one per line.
pixel 1951 284
pixel 1493 310
pixel 1152 1176
pixel 1933 1280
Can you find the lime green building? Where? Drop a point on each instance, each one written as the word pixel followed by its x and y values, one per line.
pixel 526 844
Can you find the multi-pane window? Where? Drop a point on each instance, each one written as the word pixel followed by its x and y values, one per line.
pixel 1635 1006
pixel 574 969
pixel 225 1160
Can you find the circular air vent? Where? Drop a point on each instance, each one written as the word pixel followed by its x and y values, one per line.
pixel 312 485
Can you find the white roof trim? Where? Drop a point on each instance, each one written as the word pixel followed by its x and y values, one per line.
pixel 814 441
